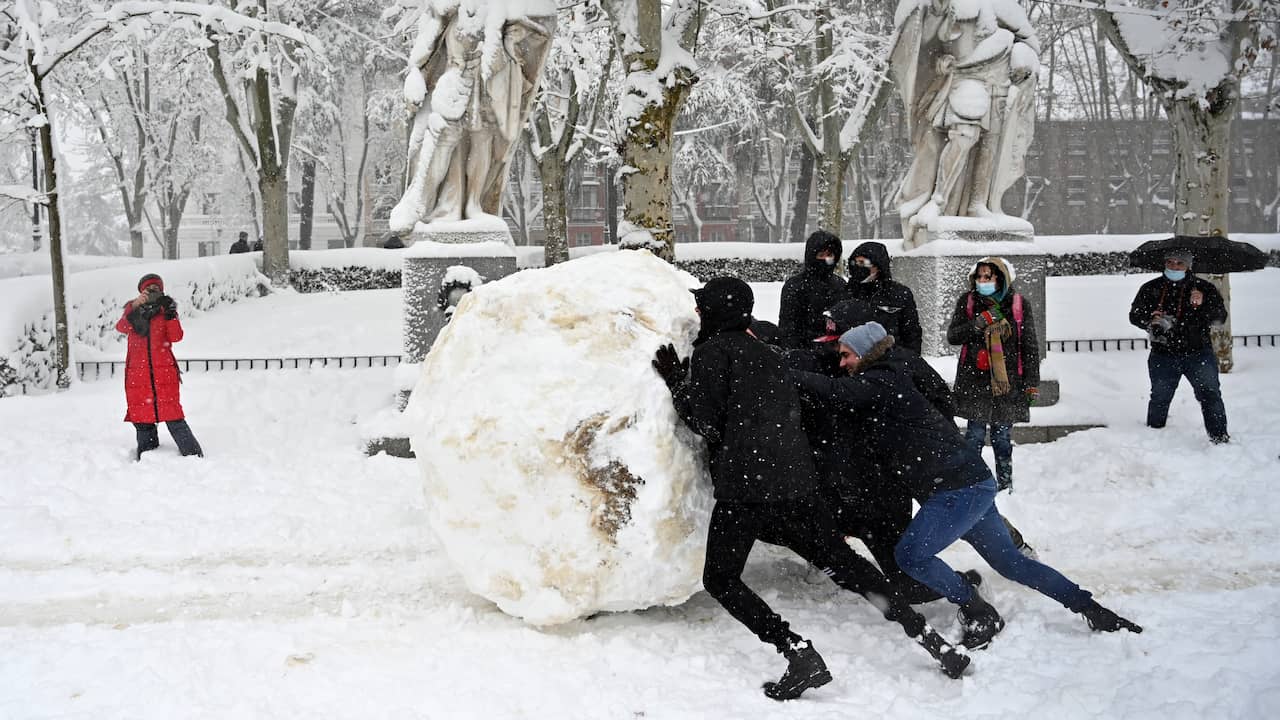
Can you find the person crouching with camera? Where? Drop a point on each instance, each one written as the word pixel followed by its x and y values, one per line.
pixel 1177 310
pixel 151 380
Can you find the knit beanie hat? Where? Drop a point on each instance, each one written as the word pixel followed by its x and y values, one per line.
pixel 864 337
pixel 150 279
pixel 1182 255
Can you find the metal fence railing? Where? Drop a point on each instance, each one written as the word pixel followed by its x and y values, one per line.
pixel 95 370
pixel 1124 344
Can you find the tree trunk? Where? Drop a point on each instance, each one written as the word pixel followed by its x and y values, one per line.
pixel 610 207
pixel 275 226
pixel 804 185
pixel 831 176
pixel 1202 143
pixel 646 189
pixel 62 346
pixel 170 241
pixel 555 248
pixel 135 241
pixel 308 204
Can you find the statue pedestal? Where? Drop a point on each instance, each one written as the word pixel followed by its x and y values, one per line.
pixel 488 251
pixel 938 273
pixel 437 254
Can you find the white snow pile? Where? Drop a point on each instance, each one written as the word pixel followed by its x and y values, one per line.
pixel 558 477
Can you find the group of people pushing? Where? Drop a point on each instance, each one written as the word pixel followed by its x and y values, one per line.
pixel 832 428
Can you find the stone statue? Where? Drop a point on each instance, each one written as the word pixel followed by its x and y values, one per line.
pixel 471 84
pixel 967 73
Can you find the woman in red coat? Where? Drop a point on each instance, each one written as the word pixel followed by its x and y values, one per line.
pixel 151 380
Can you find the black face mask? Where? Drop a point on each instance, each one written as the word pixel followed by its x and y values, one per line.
pixel 857 273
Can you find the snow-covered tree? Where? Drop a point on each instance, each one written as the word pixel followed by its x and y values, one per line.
pixel 1193 54
pixel 35 39
pixel 655 39
pixel 574 91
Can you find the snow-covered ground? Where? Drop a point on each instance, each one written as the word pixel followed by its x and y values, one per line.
pixel 287 575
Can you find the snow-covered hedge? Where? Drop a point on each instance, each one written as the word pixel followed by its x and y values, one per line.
pixel 96 299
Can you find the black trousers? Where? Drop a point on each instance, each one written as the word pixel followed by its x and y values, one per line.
pixel 878 520
pixel 807 527
pixel 179 430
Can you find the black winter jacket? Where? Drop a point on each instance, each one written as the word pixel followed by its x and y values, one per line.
pixel 894 302
pixel 906 435
pixel 808 293
pixel 1190 331
pixel 738 398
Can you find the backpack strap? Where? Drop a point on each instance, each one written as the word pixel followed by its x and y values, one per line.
pixel 1017 322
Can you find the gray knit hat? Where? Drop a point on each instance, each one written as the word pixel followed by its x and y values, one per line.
pixel 864 337
pixel 1183 255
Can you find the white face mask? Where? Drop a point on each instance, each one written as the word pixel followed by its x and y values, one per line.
pixel 829 261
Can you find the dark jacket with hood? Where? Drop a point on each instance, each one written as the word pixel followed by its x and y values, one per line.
pixel 905 434
pixel 894 302
pixel 738 397
pixel 973 397
pixel 809 292
pixel 1189 333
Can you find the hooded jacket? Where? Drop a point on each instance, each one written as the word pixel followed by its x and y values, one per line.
pixel 894 302
pixel 809 292
pixel 906 435
pixel 973 397
pixel 738 398
pixel 1189 333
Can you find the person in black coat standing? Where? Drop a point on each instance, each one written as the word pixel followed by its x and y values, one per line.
pixel 1177 310
pixel 950 481
pixel 809 292
pixel 736 395
pixel 241 245
pixel 871 281
pixel 998 371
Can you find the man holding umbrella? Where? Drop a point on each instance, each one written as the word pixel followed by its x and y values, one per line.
pixel 1177 310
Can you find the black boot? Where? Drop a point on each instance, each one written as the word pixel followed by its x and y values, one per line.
pixel 981 621
pixel 1004 474
pixel 952 659
pixel 1101 619
pixel 805 670
pixel 148 438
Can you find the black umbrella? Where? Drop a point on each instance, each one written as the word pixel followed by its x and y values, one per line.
pixel 1213 254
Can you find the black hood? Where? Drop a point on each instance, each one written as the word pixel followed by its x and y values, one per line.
pixel 822 240
pixel 877 253
pixel 724 303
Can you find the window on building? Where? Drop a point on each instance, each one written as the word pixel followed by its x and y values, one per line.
pixel 1077 191
pixel 581 239
pixel 207 248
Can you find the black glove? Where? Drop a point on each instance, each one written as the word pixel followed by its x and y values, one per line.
pixel 168 307
pixel 669 365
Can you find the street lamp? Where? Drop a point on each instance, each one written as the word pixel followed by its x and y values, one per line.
pixel 33 133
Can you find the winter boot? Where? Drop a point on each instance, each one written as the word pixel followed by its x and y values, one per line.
pixel 1004 474
pixel 148 438
pixel 1019 542
pixel 952 659
pixel 1101 619
pixel 981 621
pixel 805 670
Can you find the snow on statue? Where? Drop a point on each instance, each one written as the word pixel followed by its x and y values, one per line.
pixel 557 475
pixel 473 71
pixel 967 73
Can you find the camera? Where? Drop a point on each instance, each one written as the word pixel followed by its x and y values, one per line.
pixel 1160 329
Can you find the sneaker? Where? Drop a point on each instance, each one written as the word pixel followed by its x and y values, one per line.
pixel 805 670
pixel 1101 619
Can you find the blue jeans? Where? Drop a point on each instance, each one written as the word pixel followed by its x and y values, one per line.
pixel 969 513
pixel 1001 442
pixel 1201 370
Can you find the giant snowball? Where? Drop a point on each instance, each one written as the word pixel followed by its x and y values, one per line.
pixel 558 477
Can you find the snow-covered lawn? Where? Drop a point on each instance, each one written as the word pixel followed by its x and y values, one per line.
pixel 287 575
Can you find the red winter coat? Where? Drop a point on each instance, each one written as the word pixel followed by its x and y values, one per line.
pixel 150 370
